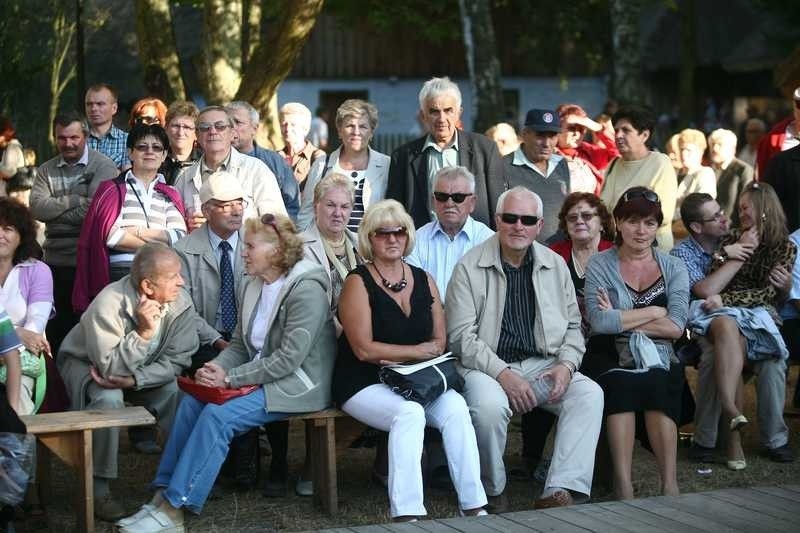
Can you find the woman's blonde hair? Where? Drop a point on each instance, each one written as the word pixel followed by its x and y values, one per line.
pixel 769 216
pixel 334 181
pixel 384 213
pixel 355 108
pixel 695 137
pixel 282 233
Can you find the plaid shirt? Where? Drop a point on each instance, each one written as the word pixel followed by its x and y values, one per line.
pixel 113 145
pixel 697 261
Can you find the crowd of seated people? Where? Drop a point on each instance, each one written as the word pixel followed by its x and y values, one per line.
pixel 553 275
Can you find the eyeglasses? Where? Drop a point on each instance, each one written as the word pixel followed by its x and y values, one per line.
pixel 458 197
pixel 384 233
pixel 719 215
pixel 147 120
pixel 527 220
pixel 204 127
pixel 647 194
pixel 186 127
pixel 157 148
pixel 586 216
pixel 268 219
pixel 227 207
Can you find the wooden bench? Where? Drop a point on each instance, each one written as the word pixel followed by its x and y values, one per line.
pixel 68 435
pixel 321 426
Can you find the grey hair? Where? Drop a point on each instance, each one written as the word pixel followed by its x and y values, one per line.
pixel 147 261
pixel 334 181
pixel 210 108
pixel 522 191
pixel 437 87
pixel 722 136
pixel 241 104
pixel 453 173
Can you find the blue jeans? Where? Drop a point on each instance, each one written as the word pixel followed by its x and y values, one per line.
pixel 198 444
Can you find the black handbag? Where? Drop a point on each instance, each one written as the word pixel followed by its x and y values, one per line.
pixel 423 382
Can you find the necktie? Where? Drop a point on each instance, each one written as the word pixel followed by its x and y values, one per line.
pixel 227 300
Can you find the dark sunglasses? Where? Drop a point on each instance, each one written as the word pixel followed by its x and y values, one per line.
pixel 384 233
pixel 586 216
pixel 144 147
pixel 269 219
pixel 527 220
pixel 458 197
pixel 147 120
pixel 648 195
pixel 205 127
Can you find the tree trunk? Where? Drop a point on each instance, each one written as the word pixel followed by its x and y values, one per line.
pixel 251 29
pixel 61 72
pixel 220 63
pixel 273 58
pixel 157 51
pixel 626 77
pixel 686 12
pixel 482 63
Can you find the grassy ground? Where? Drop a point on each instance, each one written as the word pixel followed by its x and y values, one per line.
pixel 362 502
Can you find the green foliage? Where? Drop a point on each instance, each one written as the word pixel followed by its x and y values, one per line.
pixel 436 21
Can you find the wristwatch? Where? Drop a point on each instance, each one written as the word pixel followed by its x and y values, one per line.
pixel 721 257
pixel 227 381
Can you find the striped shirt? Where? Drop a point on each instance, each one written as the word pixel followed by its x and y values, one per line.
pixel 517 341
pixel 144 208
pixel 8 335
pixel 357 214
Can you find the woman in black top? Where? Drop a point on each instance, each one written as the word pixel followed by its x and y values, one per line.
pixel 391 313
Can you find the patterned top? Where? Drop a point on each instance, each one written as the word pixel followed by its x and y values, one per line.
pixel 145 208
pixel 113 145
pixel 750 287
pixel 517 341
pixel 649 295
pixel 8 336
pixel 697 261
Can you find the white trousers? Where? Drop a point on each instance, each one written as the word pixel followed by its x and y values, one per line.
pixel 580 415
pixel 378 407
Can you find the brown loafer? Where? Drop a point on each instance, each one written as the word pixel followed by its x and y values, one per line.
pixel 108 509
pixel 560 498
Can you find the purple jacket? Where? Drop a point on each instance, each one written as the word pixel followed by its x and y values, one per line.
pixel 91 269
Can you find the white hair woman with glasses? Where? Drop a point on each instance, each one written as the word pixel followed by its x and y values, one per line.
pixel 637 301
pixel 356 121
pixel 391 313
pixel 127 212
pixel 284 342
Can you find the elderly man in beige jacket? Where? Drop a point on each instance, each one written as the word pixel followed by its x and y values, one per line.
pixel 137 335
pixel 513 320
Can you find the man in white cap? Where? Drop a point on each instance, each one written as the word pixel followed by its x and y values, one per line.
pixel 212 268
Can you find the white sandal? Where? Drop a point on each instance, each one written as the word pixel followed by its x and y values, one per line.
pixel 152 521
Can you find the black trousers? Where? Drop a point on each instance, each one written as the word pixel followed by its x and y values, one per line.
pixel 65 319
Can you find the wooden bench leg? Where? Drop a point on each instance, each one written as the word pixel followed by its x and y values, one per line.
pixel 323 461
pixel 75 449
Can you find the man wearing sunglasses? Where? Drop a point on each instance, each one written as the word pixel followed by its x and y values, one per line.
pixel 512 318
pixel 707 225
pixel 415 164
pixel 215 136
pixel 537 166
pixel 442 242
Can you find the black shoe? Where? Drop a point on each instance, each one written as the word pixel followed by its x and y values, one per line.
pixel 701 454
pixel 781 454
pixel 497 504
pixel 147 447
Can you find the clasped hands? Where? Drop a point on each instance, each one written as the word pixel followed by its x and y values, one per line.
pixel 520 393
pixel 211 375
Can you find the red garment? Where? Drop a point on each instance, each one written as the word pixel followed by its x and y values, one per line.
pixel 564 248
pixel 771 145
pixel 91 268
pixel 597 156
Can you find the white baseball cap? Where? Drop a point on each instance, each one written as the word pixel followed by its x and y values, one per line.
pixel 221 186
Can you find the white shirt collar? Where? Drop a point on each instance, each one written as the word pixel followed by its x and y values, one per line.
pixel 84 160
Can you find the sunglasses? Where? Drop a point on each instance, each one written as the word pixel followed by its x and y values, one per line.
pixel 648 195
pixel 157 148
pixel 147 120
pixel 218 126
pixel 527 220
pixel 457 197
pixel 586 216
pixel 384 233
pixel 268 219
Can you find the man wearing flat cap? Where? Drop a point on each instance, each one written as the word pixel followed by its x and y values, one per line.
pixel 535 165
